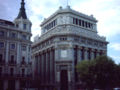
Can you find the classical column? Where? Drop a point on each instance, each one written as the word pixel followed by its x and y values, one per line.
pixel 7 51
pixel 53 62
pixel 85 53
pixel 98 53
pixel 27 50
pixel 46 66
pixel 79 55
pixel 92 53
pixel 58 76
pixel 89 54
pixel 5 84
pixel 51 66
pixel 17 85
pixel 42 67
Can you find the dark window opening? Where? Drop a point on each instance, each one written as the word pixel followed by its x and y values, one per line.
pixel 83 23
pixel 24 26
pixel 13 35
pixel 86 24
pixel 80 22
pixel 1 44
pixel 1 57
pixel 63 38
pixel 23 72
pixel 0 71
pixel 76 21
pixel 12 46
pixel 23 60
pixel 17 25
pixel 12 58
pixel 95 54
pixel 82 54
pixel 2 33
pixel 89 57
pixel 11 71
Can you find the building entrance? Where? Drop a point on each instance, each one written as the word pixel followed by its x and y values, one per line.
pixel 63 80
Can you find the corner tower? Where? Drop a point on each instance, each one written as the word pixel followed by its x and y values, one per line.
pixel 22 22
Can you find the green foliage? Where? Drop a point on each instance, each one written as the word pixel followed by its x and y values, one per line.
pixel 101 72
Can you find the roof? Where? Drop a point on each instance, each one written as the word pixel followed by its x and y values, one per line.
pixel 22 13
pixel 6 22
pixel 68 10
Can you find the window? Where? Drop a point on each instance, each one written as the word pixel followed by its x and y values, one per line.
pixel 1 44
pixel 24 48
pixel 0 71
pixel 12 58
pixel 82 54
pixel 73 20
pixel 17 25
pixel 86 24
pixel 24 26
pixel 23 72
pixel 24 37
pixel 63 38
pixel 88 54
pixel 12 46
pixel 2 33
pixel 76 21
pixel 79 22
pixel 11 71
pixel 1 57
pixel 83 23
pixel 13 35
pixel 23 59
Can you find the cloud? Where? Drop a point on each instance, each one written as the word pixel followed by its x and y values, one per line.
pixel 116 59
pixel 115 46
pixel 105 11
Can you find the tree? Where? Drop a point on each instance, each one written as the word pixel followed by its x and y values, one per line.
pixel 98 73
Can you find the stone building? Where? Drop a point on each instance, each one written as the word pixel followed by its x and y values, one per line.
pixel 67 38
pixel 15 52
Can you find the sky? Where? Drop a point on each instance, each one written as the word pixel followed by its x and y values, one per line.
pixel 107 12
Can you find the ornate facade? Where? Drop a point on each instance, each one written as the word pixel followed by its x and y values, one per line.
pixel 15 52
pixel 67 38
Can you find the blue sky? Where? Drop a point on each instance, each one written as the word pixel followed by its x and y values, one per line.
pixel 106 12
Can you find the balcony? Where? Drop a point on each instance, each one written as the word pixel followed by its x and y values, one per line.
pixel 15 76
pixel 12 62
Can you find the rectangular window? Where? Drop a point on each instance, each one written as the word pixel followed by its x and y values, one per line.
pixel 86 24
pixel 79 22
pixel 13 35
pixel 1 57
pixel 11 71
pixel 23 72
pixel 24 37
pixel 12 46
pixel 76 21
pixel 0 71
pixel 83 23
pixel 2 33
pixel 24 26
pixel 12 58
pixel 1 44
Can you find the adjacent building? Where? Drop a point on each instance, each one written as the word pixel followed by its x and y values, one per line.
pixel 67 38
pixel 15 52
